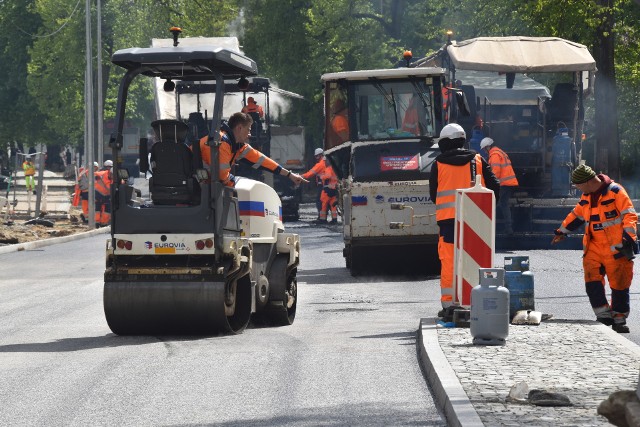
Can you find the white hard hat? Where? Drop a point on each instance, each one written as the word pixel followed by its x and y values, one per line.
pixel 318 152
pixel 96 165
pixel 108 164
pixel 452 131
pixel 486 142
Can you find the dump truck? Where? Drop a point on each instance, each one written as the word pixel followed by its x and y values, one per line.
pixel 380 132
pixel 196 257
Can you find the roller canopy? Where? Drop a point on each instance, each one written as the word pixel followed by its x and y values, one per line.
pixel 186 63
pixel 521 55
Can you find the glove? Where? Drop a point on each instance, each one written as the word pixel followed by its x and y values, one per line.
pixel 558 237
pixel 629 246
pixel 626 237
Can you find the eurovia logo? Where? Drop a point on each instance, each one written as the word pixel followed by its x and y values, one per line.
pixel 148 245
pixel 379 199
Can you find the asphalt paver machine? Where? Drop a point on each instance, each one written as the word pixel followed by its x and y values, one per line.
pixel 196 257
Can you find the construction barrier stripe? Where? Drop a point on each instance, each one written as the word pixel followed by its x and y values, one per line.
pixel 476 247
pixel 484 201
pixel 474 239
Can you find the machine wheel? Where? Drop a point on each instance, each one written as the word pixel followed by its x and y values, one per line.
pixel 347 256
pixel 357 262
pixel 164 308
pixel 283 294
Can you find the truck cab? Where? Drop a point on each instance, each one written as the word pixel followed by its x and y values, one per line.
pixel 380 132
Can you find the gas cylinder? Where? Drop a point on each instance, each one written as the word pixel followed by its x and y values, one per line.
pixel 561 163
pixel 489 320
pixel 519 280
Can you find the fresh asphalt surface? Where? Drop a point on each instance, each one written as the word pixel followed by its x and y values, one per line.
pixel 349 359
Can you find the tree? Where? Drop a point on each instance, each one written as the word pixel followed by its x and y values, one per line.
pixel 57 64
pixel 21 120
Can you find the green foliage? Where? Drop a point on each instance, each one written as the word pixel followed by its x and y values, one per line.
pixel 293 41
pixel 21 121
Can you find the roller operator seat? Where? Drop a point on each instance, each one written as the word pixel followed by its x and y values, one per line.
pixel 172 182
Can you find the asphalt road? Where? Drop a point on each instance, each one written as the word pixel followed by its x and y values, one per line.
pixel 349 359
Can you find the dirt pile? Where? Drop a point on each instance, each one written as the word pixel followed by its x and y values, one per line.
pixel 18 231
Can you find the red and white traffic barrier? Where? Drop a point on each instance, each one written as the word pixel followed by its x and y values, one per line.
pixel 474 239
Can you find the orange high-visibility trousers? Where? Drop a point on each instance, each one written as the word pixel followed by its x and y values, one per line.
pixel 445 253
pixel 84 202
pixel 329 202
pixel 599 261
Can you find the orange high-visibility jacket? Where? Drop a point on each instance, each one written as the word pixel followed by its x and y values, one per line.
pixel 29 168
pixel 613 216
pixel 227 157
pixel 411 120
pixel 103 182
pixel 317 169
pixel 451 178
pixel 329 178
pixel 253 108
pixel 501 167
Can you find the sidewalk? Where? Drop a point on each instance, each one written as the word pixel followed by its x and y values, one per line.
pixel 584 360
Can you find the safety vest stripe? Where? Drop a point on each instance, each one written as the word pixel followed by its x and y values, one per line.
pixel 616 221
pixel 243 153
pixel 225 166
pixel 506 178
pixel 259 163
pixel 445 193
pixel 627 211
pixel 445 205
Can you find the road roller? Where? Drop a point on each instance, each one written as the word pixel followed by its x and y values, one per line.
pixel 191 256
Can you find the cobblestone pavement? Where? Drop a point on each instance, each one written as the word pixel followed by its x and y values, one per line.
pixel 584 360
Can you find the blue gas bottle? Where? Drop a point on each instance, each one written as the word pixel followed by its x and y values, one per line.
pixel 561 163
pixel 519 280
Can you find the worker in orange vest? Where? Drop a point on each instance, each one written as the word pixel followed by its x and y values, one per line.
pixel 103 181
pixel 501 166
pixel 454 168
pixel 253 107
pixel 340 121
pixel 411 120
pixel 29 172
pixel 329 196
pixel 81 192
pixel 610 243
pixel 317 171
pixel 234 148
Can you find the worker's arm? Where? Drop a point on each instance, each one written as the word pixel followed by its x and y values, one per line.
pixel 490 179
pixel 297 179
pixel 573 220
pixel 433 181
pixel 260 161
pixel 558 236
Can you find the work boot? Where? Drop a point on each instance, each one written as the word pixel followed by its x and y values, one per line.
pixel 605 320
pixel 333 221
pixel 447 313
pixel 620 328
pixel 319 221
